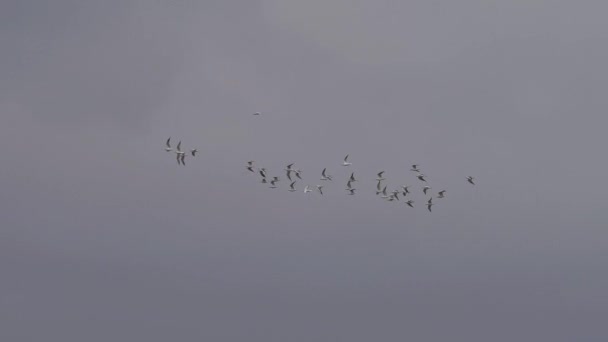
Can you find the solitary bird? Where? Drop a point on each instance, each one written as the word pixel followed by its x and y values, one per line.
pixel 168 144
pixel 425 189
pixel 470 179
pixel 345 162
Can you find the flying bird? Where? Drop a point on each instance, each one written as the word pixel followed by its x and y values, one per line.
pixel 410 203
pixel 405 190
pixel 179 148
pixel 428 206
pixel 324 175
pixel 307 189
pixel 352 177
pixel 298 172
pixel 379 188
pixel 262 172
pixel 470 180
pixel 425 189
pixel 415 168
pixel 440 194
pixel 256 113
pixel 292 187
pixel 193 152
pixel 345 162
pixel 273 184
pixel 320 188
pixel 168 144
pixel 380 178
pixel 421 177
pixel 351 191
pixel 250 166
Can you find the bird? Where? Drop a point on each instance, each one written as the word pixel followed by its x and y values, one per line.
pixel 470 180
pixel 345 162
pixel 168 143
pixel 440 194
pixel 273 184
pixel 425 189
pixel 264 181
pixel 307 189
pixel 250 166
pixel 324 175
pixel 288 170
pixel 396 194
pixel 256 113
pixel 405 190
pixel 351 191
pixel 415 168
pixel 298 172
pixel 320 188
pixel 429 205
pixel 292 187
pixel 262 172
pixel 180 159
pixel 380 178
pixel 410 203
pixel 352 177
pixel 193 152
pixel 421 177
pixel 348 185
pixel 384 194
pixel 179 149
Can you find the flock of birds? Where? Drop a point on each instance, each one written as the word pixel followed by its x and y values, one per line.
pixel 292 173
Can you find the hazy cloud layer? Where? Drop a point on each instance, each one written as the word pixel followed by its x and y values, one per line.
pixel 104 237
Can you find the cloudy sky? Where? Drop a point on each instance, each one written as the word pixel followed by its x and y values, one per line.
pixel 103 237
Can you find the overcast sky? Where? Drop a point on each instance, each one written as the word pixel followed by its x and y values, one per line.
pixel 103 237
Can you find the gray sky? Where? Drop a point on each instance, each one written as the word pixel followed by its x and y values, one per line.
pixel 105 238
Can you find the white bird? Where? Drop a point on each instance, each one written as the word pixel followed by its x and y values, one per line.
pixel 470 179
pixel 345 162
pixel 380 178
pixel 384 194
pixel 379 188
pixel 180 159
pixel 179 149
pixel 320 188
pixel 307 189
pixel 168 143
pixel 421 177
pixel 425 189
pixel 415 168
pixel 409 203
pixel 193 152
pixel 292 187
pixel 324 175
pixel 440 194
